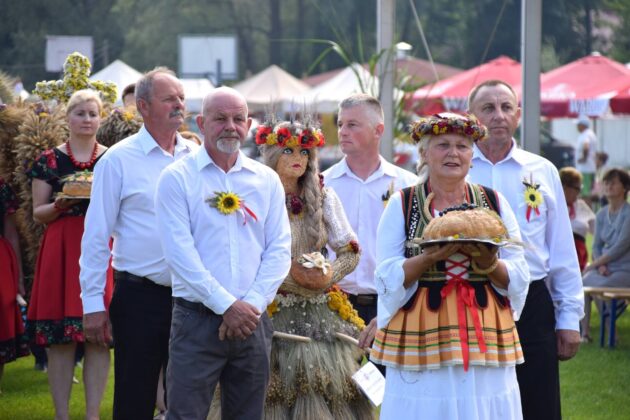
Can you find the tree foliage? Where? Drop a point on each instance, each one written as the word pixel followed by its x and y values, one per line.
pixel 144 33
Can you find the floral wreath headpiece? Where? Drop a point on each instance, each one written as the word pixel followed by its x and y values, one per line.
pixel 76 73
pixel 291 135
pixel 448 123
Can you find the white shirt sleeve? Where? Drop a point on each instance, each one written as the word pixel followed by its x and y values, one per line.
pixel 565 280
pixel 513 256
pixel 390 256
pixel 99 224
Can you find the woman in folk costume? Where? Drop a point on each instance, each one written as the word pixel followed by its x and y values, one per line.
pixel 55 312
pixel 445 307
pixel 13 343
pixel 312 380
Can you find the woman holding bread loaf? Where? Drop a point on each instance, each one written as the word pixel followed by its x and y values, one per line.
pixel 449 276
pixel 312 379
pixel 55 312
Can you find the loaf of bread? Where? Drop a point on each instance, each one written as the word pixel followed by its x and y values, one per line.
pixel 78 185
pixel 477 223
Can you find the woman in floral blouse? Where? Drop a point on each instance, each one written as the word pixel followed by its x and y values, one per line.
pixel 55 312
pixel 12 340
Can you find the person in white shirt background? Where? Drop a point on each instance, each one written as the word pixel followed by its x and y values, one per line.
pixel 364 180
pixel 122 208
pixel 226 237
pixel 585 152
pixel 549 325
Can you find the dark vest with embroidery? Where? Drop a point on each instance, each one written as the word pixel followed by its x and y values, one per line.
pixel 414 200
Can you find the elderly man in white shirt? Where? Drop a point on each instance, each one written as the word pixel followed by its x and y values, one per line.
pixel 122 208
pixel 364 180
pixel 549 325
pixel 226 236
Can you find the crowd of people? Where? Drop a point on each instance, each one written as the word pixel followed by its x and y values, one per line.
pixel 233 288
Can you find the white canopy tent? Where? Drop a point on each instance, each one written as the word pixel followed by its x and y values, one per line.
pixel 118 73
pixel 194 91
pixel 325 97
pixel 272 86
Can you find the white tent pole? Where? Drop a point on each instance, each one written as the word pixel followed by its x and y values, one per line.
pixel 530 59
pixel 385 20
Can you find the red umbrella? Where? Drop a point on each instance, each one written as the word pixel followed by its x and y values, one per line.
pixel 582 87
pixel 620 103
pixel 452 93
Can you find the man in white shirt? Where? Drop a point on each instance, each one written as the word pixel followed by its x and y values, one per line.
pixel 226 237
pixel 585 154
pixel 122 208
pixel 364 180
pixel 532 186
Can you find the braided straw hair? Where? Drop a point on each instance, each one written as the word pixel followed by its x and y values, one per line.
pixel 309 184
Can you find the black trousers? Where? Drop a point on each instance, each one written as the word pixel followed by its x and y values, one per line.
pixel 365 306
pixel 140 312
pixel 539 377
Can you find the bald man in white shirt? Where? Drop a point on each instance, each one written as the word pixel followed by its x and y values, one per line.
pixel 226 236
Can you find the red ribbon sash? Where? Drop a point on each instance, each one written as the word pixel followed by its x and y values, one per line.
pixel 465 298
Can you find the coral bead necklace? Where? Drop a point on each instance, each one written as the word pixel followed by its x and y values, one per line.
pixel 82 165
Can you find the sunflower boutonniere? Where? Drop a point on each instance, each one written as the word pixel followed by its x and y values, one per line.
pixel 533 197
pixel 228 203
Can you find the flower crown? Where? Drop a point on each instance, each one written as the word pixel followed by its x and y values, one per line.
pixel 448 123
pixel 289 136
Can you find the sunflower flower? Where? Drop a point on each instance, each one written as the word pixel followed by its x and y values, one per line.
pixel 228 203
pixel 533 198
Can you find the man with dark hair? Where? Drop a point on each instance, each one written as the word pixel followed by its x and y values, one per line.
pixel 122 208
pixel 549 324
pixel 128 95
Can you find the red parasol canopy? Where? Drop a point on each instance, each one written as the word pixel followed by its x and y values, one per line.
pixel 582 87
pixel 452 93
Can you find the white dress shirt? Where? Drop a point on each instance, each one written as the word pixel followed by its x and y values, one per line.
pixel 586 137
pixel 121 207
pixel 548 237
pixel 390 256
pixel 216 258
pixel 363 203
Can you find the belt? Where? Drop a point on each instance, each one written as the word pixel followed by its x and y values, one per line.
pixel 132 278
pixel 364 300
pixel 193 306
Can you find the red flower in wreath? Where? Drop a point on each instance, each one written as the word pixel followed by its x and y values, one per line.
pixel 283 134
pixel 262 133
pixel 51 160
pixel 354 245
pixel 307 139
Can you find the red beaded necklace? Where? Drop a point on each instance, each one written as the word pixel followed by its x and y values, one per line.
pixel 82 165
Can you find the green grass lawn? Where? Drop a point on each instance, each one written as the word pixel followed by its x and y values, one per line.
pixel 25 394
pixel 595 384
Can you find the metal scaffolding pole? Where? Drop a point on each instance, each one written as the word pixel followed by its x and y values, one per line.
pixel 530 58
pixel 385 21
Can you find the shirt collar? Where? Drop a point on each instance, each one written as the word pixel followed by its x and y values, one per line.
pixel 384 168
pixel 203 159
pixel 148 143
pixel 515 153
